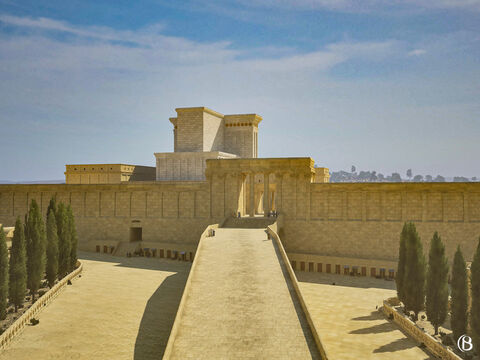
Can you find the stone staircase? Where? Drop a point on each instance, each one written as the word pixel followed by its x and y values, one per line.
pixel 248 222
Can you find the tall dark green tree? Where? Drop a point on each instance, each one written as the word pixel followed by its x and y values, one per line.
pixel 414 272
pixel 52 205
pixel 73 239
pixel 18 266
pixel 459 285
pixel 475 309
pixel 52 248
pixel 437 283
pixel 36 244
pixel 64 246
pixel 3 274
pixel 402 255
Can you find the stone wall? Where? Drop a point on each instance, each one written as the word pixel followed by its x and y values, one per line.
pixel 185 165
pixel 189 129
pixel 439 350
pixel 107 173
pixel 213 132
pixel 175 212
pixel 351 221
pixel 241 135
pixel 364 220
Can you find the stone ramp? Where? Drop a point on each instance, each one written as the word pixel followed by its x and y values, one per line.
pixel 241 303
pixel 248 222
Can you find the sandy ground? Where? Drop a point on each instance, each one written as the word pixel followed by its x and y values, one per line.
pixel 241 304
pixel 121 308
pixel 345 315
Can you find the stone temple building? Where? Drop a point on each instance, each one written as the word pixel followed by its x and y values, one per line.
pixel 214 175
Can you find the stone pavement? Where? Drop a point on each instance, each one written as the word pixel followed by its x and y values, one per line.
pixel 121 308
pixel 241 304
pixel 345 315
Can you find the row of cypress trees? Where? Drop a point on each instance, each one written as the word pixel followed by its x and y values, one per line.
pixel 426 287
pixel 36 251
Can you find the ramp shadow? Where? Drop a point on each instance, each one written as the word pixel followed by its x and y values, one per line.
pixel 159 317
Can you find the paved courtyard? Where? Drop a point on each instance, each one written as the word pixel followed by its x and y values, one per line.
pixel 121 308
pixel 240 305
pixel 349 324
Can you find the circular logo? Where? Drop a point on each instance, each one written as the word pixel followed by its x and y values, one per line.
pixel 464 343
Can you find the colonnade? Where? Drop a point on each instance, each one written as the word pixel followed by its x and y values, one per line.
pixel 272 193
pixel 236 184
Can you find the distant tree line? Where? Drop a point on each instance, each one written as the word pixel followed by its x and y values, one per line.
pixel 373 176
pixel 425 286
pixel 39 250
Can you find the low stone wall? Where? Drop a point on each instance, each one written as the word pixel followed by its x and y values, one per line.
pixel 435 347
pixel 17 327
pixel 272 231
pixel 186 290
pixel 343 265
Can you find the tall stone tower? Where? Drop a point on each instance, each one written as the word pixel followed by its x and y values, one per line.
pixel 200 134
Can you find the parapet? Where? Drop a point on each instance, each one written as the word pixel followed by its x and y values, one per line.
pixel 107 173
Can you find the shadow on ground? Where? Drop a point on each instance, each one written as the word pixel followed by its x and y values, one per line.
pixel 375 329
pixel 374 315
pixel 363 282
pixel 161 308
pixel 158 318
pixel 137 262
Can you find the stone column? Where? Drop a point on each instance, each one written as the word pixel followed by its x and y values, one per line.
pixel 278 191
pixel 239 194
pixel 266 194
pixel 251 205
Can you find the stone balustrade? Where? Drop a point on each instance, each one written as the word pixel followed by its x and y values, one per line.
pixel 17 327
pixel 272 232
pixel 434 346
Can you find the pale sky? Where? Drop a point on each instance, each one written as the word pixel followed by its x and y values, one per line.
pixel 386 86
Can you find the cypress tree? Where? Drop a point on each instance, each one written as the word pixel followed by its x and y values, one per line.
pixel 36 244
pixel 437 283
pixel 73 239
pixel 414 272
pixel 52 248
pixel 3 274
pixel 459 315
pixel 400 278
pixel 18 266
pixel 64 246
pixel 52 205
pixel 475 309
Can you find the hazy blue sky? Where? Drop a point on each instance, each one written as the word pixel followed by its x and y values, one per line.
pixel 386 85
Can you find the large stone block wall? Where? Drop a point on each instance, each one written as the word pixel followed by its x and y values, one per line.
pixel 213 132
pixel 167 212
pixel 189 132
pixel 240 135
pixel 364 220
pixel 359 220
